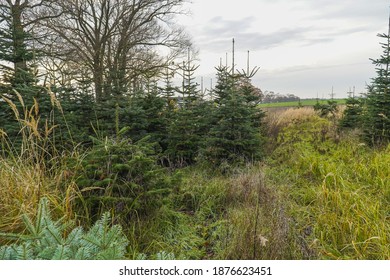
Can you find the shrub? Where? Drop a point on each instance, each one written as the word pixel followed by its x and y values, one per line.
pixel 125 178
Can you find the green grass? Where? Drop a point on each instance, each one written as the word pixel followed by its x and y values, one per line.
pixel 236 216
pixel 338 191
pixel 304 102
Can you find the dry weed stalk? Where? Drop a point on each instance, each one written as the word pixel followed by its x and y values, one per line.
pixel 24 176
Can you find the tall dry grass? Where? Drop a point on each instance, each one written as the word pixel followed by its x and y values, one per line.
pixel 257 223
pixel 32 170
pixel 21 187
pixel 276 120
pixel 284 116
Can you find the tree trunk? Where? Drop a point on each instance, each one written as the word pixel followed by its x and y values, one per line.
pixel 98 81
pixel 19 44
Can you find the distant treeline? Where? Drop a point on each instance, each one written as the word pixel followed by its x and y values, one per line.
pixel 272 97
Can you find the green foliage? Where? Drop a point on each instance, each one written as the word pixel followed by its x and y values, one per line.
pixel 177 232
pixel 311 131
pixel 186 133
pixel 13 108
pixel 74 123
pixel 137 116
pixel 327 110
pixel 29 124
pixel 353 113
pixel 51 240
pixel 14 47
pixel 234 217
pixel 235 133
pixel 68 112
pixel 189 88
pixel 188 123
pixel 17 59
pixel 160 256
pixel 377 117
pixel 146 115
pixel 122 177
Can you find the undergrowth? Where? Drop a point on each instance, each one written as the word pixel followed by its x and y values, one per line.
pixel 339 189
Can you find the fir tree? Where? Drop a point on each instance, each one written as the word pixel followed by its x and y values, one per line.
pixel 377 117
pixel 353 113
pixel 186 132
pixel 122 177
pixel 19 72
pixel 168 90
pixel 327 110
pixel 189 90
pixel 146 114
pixel 14 48
pixel 46 239
pixel 235 134
pixel 75 122
pixel 225 83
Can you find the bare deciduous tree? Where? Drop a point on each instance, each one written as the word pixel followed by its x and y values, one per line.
pixel 114 37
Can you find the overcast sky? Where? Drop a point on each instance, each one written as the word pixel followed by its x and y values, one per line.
pixel 303 47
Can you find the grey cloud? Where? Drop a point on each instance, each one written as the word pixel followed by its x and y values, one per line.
pixel 363 11
pixel 326 35
pixel 319 22
pixel 336 9
pixel 218 32
pixel 221 26
pixel 250 40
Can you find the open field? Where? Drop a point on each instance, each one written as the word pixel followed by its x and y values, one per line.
pixel 304 102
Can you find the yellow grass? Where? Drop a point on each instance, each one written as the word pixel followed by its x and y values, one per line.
pixel 25 176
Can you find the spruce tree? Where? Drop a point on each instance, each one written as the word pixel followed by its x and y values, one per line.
pixel 19 72
pixel 168 90
pixel 353 113
pixel 186 132
pixel 14 49
pixel 377 117
pixel 189 91
pixel 235 134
